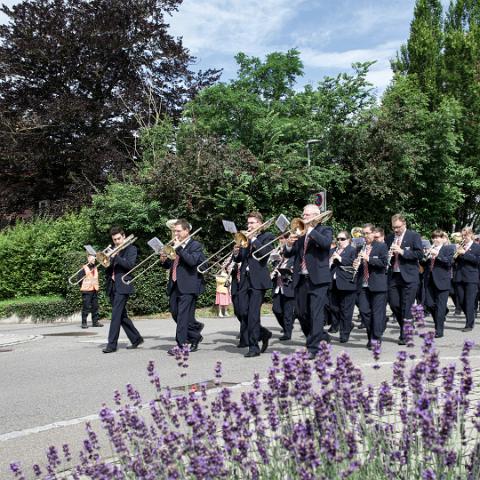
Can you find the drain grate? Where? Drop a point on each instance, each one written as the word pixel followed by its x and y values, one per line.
pixel 209 384
pixel 69 334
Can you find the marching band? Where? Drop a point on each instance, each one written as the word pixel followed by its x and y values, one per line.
pixel 314 276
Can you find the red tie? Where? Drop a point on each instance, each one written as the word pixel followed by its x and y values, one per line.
pixel 304 261
pixel 174 268
pixel 396 263
pixel 368 248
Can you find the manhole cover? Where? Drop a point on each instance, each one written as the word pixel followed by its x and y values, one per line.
pixel 5 350
pixel 69 334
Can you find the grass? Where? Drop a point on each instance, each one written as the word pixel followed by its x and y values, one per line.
pixel 28 300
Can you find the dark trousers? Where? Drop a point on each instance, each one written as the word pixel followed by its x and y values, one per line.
pixel 373 312
pixel 284 310
pixel 90 305
pixel 436 302
pixel 182 308
pixel 310 305
pixel 342 305
pixel 401 296
pixel 467 292
pixel 120 319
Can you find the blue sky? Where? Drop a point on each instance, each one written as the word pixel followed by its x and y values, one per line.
pixel 330 34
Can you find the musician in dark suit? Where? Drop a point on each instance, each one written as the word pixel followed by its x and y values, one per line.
pixel 283 298
pixel 371 279
pixel 253 280
pixel 311 276
pixel 467 262
pixel 185 284
pixel 437 278
pixel 343 290
pixel 405 251
pixel 119 292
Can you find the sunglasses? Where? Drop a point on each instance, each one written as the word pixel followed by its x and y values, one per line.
pixel 341 239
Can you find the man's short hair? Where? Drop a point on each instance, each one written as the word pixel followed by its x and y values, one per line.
pixel 370 226
pixel 312 206
pixel 184 224
pixel 256 215
pixel 467 230
pixel 398 216
pixel 116 230
pixel 379 230
pixel 439 234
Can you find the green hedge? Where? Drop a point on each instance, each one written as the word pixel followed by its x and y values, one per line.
pixel 41 309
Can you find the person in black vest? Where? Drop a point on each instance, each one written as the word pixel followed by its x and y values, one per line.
pixel 311 276
pixel 437 278
pixel 119 292
pixel 371 279
pixel 283 297
pixel 343 289
pixel 253 280
pixel 185 284
pixel 405 251
pixel 467 260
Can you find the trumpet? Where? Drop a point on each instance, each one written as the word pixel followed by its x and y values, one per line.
pixel 103 258
pixel 299 227
pixel 461 245
pixel 240 239
pixel 168 250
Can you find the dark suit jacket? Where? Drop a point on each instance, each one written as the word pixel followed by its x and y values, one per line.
pixel 343 278
pixel 440 275
pixel 189 281
pixel 317 255
pixel 467 265
pixel 257 276
pixel 123 262
pixel 377 268
pixel 286 272
pixel 412 254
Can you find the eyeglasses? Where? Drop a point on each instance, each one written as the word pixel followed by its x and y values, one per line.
pixel 340 239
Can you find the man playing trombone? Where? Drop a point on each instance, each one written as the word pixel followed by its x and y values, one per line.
pixel 311 275
pixel 252 281
pixel 185 283
pixel 119 264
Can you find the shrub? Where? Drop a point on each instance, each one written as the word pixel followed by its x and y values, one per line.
pixel 39 308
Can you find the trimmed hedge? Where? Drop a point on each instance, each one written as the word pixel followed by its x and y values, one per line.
pixel 41 309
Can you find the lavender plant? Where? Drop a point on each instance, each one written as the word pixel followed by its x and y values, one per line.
pixel 310 420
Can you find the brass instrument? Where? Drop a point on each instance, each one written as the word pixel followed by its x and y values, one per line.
pixel 240 239
pixel 299 227
pixel 168 250
pixel 461 245
pixel 356 232
pixel 103 257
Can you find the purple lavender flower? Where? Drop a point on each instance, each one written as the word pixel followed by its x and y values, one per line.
pixel 17 471
pixel 376 351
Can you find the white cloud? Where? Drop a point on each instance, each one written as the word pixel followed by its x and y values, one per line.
pixel 229 26
pixel 319 59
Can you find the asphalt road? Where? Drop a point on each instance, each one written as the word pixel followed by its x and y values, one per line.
pixel 55 377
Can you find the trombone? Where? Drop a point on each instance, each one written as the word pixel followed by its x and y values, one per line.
pixel 159 249
pixel 240 239
pixel 298 226
pixel 103 257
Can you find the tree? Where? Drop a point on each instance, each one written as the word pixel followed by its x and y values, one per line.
pixel 75 78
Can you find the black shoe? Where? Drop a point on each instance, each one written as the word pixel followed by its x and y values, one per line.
pixel 194 345
pixel 252 354
pixel 109 350
pixel 311 355
pixel 467 329
pixel 343 340
pixel 171 352
pixel 438 335
pixel 98 324
pixel 136 344
pixel 266 337
pixel 369 345
pixel 285 338
pixel 362 326
pixel 401 341
pixel 333 329
pixel 458 312
pixel 84 325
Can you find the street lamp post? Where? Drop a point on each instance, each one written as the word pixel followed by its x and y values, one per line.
pixel 310 142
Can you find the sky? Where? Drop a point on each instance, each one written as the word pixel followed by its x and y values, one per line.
pixel 330 34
